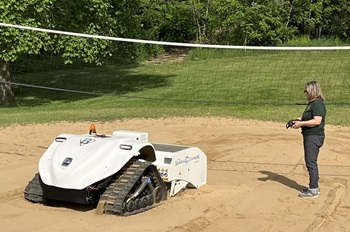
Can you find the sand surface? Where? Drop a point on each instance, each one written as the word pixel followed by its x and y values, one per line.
pixel 255 172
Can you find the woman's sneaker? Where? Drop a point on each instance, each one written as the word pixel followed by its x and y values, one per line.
pixel 306 189
pixel 310 192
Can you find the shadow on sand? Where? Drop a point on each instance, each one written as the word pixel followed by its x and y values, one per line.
pixel 281 179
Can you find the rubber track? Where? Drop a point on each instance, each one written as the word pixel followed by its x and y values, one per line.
pixel 116 193
pixel 34 192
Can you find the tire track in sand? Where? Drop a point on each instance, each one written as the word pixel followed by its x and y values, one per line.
pixel 326 213
pixel 209 216
pixel 5 196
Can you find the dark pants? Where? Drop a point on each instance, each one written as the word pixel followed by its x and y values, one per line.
pixel 312 145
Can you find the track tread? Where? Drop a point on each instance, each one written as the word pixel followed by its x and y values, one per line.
pixel 116 193
pixel 34 192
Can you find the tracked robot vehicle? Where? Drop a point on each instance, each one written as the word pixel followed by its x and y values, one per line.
pixel 122 173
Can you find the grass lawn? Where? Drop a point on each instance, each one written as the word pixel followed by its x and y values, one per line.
pixel 243 84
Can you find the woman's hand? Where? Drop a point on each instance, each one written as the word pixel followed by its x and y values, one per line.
pixel 297 125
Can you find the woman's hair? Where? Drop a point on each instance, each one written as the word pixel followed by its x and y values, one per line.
pixel 314 91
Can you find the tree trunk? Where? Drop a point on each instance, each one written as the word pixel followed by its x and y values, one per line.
pixel 7 95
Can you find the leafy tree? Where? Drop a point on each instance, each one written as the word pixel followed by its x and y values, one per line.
pixel 225 21
pixel 249 22
pixel 139 19
pixel 14 42
pixel 200 9
pixel 338 21
pixel 178 23
pixel 266 23
pixel 92 17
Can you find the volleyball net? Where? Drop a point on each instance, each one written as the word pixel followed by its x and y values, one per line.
pixel 195 72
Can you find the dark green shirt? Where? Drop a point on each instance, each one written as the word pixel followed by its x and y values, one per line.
pixel 314 108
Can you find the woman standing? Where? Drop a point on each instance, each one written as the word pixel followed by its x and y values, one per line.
pixel 312 125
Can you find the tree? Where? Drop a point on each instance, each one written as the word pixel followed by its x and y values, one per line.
pixel 92 17
pixel 339 21
pixel 178 22
pixel 13 42
pixel 224 21
pixel 249 22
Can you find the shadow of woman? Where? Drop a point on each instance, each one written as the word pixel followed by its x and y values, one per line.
pixel 281 179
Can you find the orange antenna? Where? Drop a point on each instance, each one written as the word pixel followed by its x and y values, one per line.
pixel 92 129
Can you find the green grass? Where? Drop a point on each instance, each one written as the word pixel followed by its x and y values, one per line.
pixel 242 84
pixel 108 108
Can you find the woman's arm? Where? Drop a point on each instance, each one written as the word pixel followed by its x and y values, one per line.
pixel 310 123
